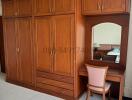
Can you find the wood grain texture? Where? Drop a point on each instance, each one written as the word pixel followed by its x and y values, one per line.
pixel 55 89
pixel 24 7
pixel 113 6
pixel 90 7
pixel 25 50
pixel 99 7
pixel 43 7
pixel 44 44
pixel 79 45
pixel 8 7
pixel 64 6
pixel 63 37
pixel 10 49
pixel 53 76
pixel 55 83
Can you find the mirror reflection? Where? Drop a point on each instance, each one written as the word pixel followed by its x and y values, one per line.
pixel 106 42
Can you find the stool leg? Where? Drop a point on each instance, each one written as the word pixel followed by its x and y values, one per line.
pixel 91 93
pixel 88 95
pixel 103 96
pixel 109 95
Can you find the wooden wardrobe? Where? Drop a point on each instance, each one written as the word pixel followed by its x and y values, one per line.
pixel 44 44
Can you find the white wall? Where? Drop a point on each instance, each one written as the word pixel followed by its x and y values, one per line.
pixel 128 79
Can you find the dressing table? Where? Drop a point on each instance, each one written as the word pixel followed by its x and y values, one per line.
pixel 116 70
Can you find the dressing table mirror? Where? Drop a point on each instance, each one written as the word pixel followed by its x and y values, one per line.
pixel 106 42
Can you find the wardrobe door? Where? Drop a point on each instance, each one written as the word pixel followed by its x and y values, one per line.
pixel 64 6
pixel 8 8
pixel 10 49
pixel 43 7
pixel 113 6
pixel 91 7
pixel 43 44
pixel 24 7
pixel 25 36
pixel 63 43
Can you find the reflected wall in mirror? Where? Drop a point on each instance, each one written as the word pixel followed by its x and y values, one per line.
pixel 106 40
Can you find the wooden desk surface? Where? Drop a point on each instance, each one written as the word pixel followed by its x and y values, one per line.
pixel 112 75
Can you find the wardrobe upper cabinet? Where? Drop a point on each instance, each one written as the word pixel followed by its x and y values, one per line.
pixel 24 7
pixel 64 6
pixel 43 43
pixel 10 49
pixel 63 44
pixel 43 7
pixel 109 6
pixel 8 8
pixel 52 7
pixel 17 8
pixel 93 7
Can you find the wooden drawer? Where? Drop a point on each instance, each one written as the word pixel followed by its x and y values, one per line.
pixel 55 83
pixel 56 77
pixel 113 78
pixel 55 89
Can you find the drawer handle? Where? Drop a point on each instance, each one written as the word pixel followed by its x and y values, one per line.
pixel 99 6
pixel 18 50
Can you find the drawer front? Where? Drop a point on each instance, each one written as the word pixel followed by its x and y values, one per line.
pixel 55 83
pixel 112 78
pixel 56 77
pixel 55 89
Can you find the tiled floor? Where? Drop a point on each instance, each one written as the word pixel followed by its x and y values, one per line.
pixel 12 92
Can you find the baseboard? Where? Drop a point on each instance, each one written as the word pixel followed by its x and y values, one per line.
pixel 126 98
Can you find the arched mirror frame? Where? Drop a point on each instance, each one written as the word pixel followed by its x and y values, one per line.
pixel 106 40
pixel 122 20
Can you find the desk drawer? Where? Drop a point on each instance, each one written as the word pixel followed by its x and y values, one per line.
pixel 113 78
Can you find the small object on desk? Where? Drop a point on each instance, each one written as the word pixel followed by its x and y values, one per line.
pixel 109 58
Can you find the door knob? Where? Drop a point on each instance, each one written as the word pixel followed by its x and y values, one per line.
pixel 18 50
pixel 51 52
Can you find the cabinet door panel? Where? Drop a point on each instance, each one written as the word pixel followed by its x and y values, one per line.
pixel 91 7
pixel 64 6
pixel 43 7
pixel 64 30
pixel 10 49
pixel 8 8
pixel 111 6
pixel 24 7
pixel 25 50
pixel 43 43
